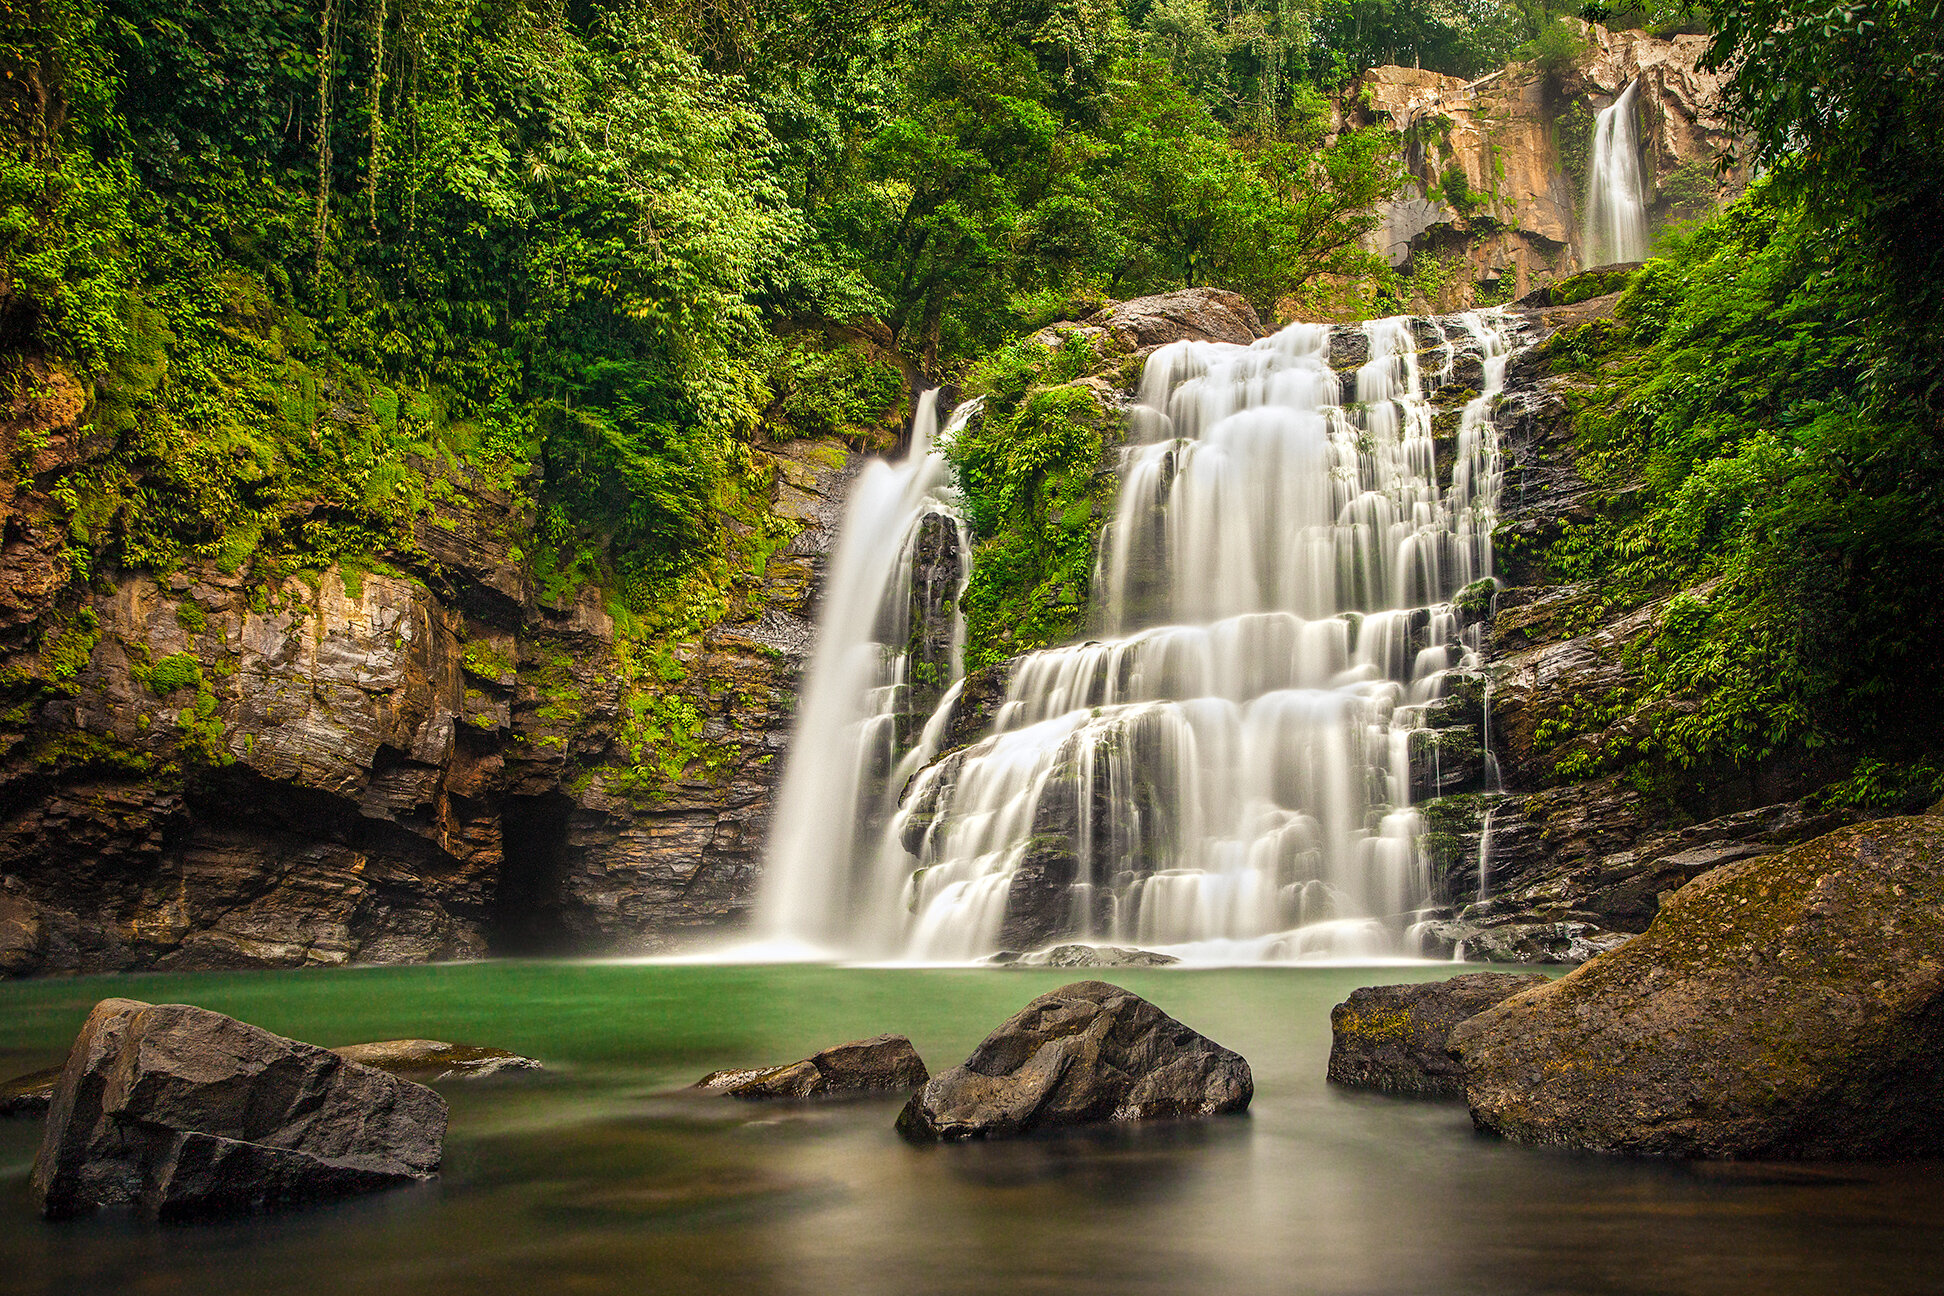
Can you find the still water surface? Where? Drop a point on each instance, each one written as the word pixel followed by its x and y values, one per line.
pixel 597 1178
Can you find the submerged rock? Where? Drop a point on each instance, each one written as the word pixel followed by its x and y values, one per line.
pixel 1785 1006
pixel 422 1059
pixel 28 1095
pixel 1084 1053
pixel 181 1112
pixel 1083 956
pixel 883 1062
pixel 1394 1037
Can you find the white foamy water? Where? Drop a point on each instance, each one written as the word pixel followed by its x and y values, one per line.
pixel 1227 775
pixel 1616 192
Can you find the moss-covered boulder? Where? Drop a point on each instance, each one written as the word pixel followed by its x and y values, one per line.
pixel 1786 1006
pixel 1393 1037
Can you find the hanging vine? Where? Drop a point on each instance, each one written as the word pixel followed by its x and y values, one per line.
pixel 326 60
pixel 375 156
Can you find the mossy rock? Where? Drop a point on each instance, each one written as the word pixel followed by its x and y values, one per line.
pixel 1785 1006
pixel 1392 1038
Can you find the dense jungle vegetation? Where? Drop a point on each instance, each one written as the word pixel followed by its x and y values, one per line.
pixel 310 258
pixel 1769 412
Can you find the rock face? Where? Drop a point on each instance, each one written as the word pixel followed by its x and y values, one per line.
pixel 1084 1053
pixel 1498 165
pixel 1190 314
pixel 1788 1006
pixel 1575 857
pixel 1393 1038
pixel 423 1060
pixel 181 1112
pixel 223 769
pixel 881 1063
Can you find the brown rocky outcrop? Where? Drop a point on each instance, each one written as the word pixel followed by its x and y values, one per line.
pixel 1085 1053
pixel 211 769
pixel 1187 315
pixel 883 1063
pixel 1787 1006
pixel 1496 166
pixel 182 1112
pixel 1393 1038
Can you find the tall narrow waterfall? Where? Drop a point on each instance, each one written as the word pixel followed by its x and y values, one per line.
pixel 1230 774
pixel 1616 195
pixel 877 661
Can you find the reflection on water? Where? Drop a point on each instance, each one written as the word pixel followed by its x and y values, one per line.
pixel 599 1178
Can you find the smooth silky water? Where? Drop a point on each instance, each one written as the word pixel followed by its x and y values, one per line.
pixel 598 1177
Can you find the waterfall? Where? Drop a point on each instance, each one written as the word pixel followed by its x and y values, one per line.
pixel 845 763
pixel 1229 774
pixel 1616 195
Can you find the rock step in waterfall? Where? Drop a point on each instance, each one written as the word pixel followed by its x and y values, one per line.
pixel 1229 772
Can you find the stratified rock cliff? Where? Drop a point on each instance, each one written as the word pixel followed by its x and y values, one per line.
pixel 424 761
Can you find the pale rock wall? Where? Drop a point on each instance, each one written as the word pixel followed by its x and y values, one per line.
pixel 1512 134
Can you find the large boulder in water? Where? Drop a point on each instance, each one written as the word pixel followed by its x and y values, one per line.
pixel 1394 1037
pixel 181 1111
pixel 883 1062
pixel 1786 1006
pixel 1086 1052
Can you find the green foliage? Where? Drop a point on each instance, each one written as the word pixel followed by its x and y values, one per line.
pixel 1903 787
pixel 1031 471
pixel 1845 105
pixel 1749 464
pixel 1555 47
pixel 69 651
pixel 1573 138
pixel 834 391
pixel 1689 190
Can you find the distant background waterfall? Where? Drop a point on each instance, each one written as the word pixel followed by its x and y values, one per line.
pixel 1616 196
pixel 875 663
pixel 1230 774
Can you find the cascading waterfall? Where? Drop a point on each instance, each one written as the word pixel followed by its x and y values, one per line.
pixel 1616 194
pixel 1230 773
pixel 845 767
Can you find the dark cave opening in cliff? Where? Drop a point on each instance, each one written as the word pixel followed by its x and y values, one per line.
pixel 527 912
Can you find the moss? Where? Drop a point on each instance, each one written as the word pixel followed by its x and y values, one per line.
pixel 191 618
pixel 73 647
pixel 485 661
pixel 1451 828
pixel 173 673
pixel 1376 1024
pixel 93 751
pixel 1587 286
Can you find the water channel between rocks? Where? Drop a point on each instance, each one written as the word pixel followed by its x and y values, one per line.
pixel 597 1178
